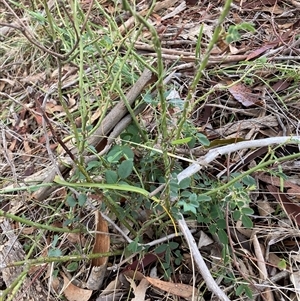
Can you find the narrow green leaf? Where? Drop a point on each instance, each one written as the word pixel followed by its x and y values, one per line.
pixel 223 237
pixel 181 141
pixel 121 187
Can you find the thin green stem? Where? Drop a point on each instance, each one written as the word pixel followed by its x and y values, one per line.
pixel 202 67
pixel 38 225
pixel 250 171
pixel 43 260
pixel 163 125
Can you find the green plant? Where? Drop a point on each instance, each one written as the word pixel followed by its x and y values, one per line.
pixel 212 211
pixel 169 250
pixel 233 33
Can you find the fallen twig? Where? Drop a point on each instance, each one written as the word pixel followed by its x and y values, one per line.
pixel 223 150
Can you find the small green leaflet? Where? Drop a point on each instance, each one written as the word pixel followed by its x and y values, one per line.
pixel 125 169
pixel 111 176
pixel 182 141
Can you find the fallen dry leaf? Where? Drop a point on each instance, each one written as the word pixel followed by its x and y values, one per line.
pixel 138 290
pixel 292 189
pixel 140 264
pixel 178 289
pixel 74 293
pixel 243 95
pixel 259 51
pixel 281 85
pixel 290 208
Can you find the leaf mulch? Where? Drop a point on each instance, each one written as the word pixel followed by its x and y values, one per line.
pixel 249 90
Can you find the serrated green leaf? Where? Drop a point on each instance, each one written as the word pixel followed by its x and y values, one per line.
pixel 149 99
pixel 125 169
pixel 193 197
pixel 54 241
pixel 189 208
